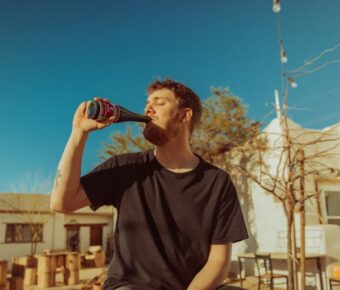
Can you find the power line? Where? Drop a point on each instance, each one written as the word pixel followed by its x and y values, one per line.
pixel 325 118
pixel 312 61
pixel 311 99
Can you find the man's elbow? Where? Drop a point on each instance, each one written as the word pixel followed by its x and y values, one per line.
pixel 57 204
pixel 68 201
pixel 57 208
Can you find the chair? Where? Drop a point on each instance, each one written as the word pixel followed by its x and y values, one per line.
pixel 95 256
pixel 266 275
pixel 333 273
pixel 334 282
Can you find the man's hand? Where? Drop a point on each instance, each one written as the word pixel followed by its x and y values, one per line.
pixel 85 125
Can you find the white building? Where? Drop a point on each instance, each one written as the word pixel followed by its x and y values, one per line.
pixel 322 152
pixel 19 211
pixel 267 222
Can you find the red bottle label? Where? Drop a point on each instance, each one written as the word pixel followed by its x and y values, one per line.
pixel 107 110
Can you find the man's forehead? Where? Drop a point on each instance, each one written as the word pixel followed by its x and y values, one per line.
pixel 164 94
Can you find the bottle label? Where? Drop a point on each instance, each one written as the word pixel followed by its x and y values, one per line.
pixel 107 110
pixel 101 111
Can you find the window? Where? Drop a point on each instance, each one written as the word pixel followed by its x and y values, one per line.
pixel 332 203
pixel 332 206
pixel 24 233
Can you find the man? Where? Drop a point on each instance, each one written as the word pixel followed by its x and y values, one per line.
pixel 177 214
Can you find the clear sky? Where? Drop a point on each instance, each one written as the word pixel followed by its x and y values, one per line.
pixel 56 54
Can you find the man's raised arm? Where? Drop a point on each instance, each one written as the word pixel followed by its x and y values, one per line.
pixel 67 194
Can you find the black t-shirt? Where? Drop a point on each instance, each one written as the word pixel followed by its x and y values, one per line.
pixel 166 220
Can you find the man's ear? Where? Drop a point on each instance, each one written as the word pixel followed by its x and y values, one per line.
pixel 187 115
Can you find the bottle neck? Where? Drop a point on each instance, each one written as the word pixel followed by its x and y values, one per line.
pixel 126 115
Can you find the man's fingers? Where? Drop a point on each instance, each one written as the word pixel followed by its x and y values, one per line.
pixel 82 108
pixel 106 100
pixel 107 122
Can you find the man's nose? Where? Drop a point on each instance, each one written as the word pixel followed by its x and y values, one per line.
pixel 149 109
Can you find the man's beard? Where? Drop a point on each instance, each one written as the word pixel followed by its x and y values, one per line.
pixel 160 136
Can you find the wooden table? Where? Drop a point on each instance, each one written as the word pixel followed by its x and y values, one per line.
pixel 281 256
pixel 69 262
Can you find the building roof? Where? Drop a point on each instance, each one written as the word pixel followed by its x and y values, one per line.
pixel 16 202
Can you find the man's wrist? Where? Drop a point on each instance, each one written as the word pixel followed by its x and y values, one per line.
pixel 79 136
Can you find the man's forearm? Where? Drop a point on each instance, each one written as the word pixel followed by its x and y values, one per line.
pixel 210 277
pixel 215 269
pixel 67 178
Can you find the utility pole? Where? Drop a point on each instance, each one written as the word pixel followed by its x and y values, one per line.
pixel 301 160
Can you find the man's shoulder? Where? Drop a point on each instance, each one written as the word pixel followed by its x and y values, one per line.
pixel 213 169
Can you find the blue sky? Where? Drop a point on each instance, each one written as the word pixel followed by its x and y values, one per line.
pixel 56 54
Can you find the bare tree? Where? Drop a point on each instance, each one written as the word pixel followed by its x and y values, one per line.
pixel 288 184
pixel 299 156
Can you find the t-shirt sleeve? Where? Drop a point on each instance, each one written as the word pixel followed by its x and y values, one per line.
pixel 230 225
pixel 105 184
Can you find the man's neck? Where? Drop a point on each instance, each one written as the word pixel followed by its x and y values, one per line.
pixel 176 157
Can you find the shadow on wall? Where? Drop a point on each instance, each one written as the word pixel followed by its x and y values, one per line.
pixel 251 245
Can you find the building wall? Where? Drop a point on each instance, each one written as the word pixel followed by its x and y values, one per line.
pixel 84 238
pixel 58 237
pixel 269 219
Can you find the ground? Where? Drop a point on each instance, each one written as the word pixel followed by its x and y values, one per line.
pixel 250 283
